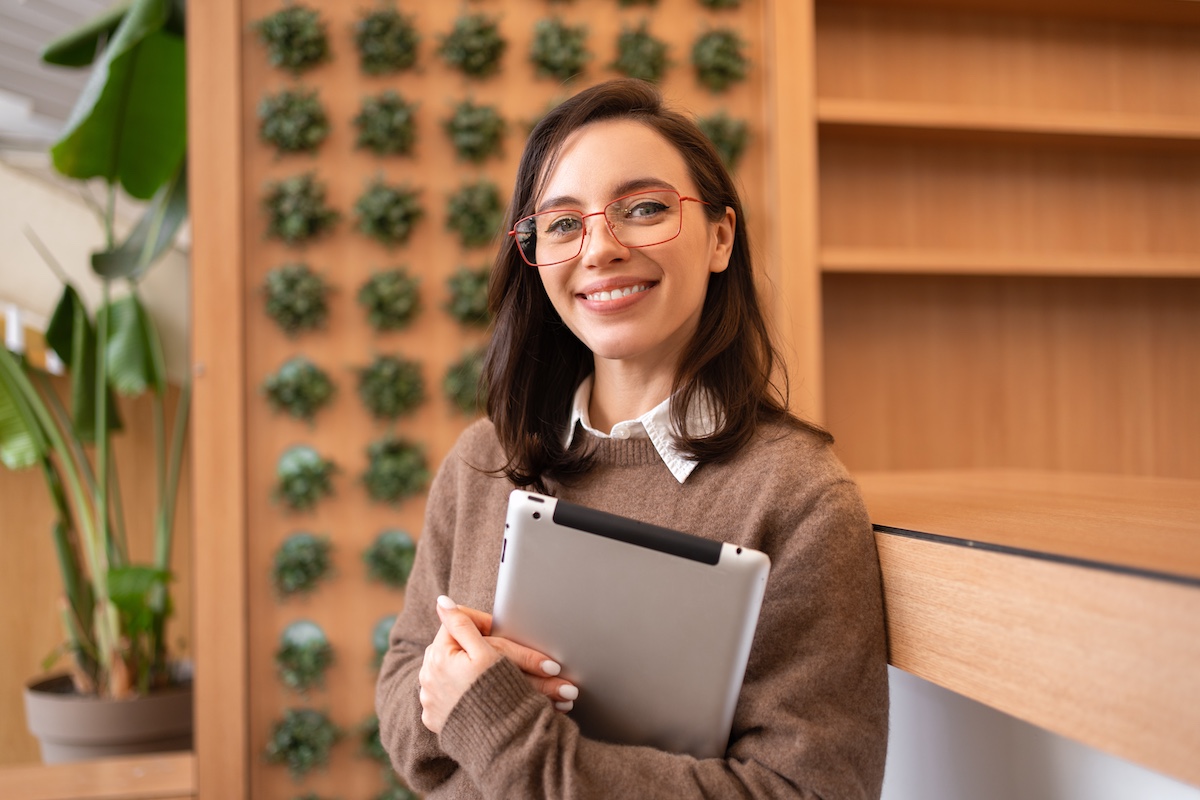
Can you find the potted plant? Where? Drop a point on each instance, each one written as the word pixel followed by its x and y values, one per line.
pixel 302 740
pixel 559 51
pixel 114 610
pixel 396 469
pixel 391 386
pixel 303 656
pixel 475 212
pixel 300 563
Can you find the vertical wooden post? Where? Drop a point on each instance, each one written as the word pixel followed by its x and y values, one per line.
pixel 218 352
pixel 792 187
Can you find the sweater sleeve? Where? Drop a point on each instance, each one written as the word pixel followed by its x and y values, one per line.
pixel 413 749
pixel 811 720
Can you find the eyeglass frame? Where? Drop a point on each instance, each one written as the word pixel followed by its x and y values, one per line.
pixel 607 224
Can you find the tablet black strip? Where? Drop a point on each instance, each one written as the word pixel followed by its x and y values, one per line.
pixel 642 534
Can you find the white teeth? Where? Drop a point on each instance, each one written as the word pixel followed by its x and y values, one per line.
pixel 617 293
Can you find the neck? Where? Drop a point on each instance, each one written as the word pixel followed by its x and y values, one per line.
pixel 621 392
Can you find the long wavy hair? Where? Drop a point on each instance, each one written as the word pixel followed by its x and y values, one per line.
pixel 534 362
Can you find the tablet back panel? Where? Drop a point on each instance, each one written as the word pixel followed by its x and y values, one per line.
pixel 654 626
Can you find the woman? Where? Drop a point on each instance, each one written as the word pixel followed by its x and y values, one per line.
pixel 630 370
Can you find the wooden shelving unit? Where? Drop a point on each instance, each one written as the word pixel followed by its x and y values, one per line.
pixel 971 157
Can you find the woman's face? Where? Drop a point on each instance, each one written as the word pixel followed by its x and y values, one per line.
pixel 639 306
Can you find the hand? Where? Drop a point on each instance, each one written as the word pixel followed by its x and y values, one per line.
pixel 460 653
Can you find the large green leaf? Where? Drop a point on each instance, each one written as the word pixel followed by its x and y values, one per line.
pixel 135 360
pixel 71 335
pixel 152 235
pixel 22 441
pixel 79 47
pixel 129 124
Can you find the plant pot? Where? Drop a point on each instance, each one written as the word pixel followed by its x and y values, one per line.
pixel 74 727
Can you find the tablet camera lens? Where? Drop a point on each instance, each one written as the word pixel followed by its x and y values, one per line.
pixel 537 515
pixel 739 551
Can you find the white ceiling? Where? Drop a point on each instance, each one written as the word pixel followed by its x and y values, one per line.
pixel 35 98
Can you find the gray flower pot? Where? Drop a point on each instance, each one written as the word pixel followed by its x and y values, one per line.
pixel 74 727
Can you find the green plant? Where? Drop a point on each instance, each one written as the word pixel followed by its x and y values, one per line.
pixel 294 121
pixel 464 385
pixel 475 131
pixel 639 2
pixel 387 214
pixel 296 210
pixel 304 477
pixel 369 744
pixel 391 299
pixel 296 298
pixel 300 563
pixel 303 656
pixel 390 557
pixel 390 386
pixel 475 212
pixel 468 302
pixel 380 635
pixel 474 46
pixel 718 59
pixel 640 54
pixel 386 41
pixel 396 469
pixel 386 125
pixel 558 50
pixel 300 388
pixel 720 4
pixel 295 38
pixel 128 128
pixel 727 134
pixel 302 741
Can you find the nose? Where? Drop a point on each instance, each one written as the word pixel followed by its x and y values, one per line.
pixel 600 245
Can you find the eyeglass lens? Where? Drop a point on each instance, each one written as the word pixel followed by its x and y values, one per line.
pixel 637 220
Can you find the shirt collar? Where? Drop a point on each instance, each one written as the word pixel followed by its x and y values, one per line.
pixel 655 424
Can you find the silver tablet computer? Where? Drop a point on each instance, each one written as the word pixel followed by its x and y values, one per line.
pixel 653 625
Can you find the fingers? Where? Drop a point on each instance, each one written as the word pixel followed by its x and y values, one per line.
pixel 529 660
pixel 465 629
pixel 461 628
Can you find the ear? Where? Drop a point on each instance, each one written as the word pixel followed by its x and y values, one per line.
pixel 722 232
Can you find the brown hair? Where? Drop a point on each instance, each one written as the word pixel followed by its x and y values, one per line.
pixel 534 362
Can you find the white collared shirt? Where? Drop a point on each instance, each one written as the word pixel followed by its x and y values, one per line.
pixel 655 425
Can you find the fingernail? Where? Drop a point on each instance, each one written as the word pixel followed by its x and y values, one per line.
pixel 446 602
pixel 551 668
pixel 567 706
pixel 568 692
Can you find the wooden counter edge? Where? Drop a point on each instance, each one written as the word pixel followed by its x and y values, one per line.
pixel 170 776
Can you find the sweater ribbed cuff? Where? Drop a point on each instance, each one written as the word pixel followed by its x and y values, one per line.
pixel 497 707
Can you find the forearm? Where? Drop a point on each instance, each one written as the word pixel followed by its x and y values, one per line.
pixel 511 743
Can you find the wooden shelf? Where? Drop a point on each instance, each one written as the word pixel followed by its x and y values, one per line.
pixel 150 777
pixel 839 114
pixel 915 261
pixel 1036 593
pixel 1185 12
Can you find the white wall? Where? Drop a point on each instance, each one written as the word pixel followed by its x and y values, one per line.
pixel 54 211
pixel 946 747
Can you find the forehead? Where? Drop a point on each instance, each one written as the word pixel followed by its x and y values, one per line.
pixel 597 159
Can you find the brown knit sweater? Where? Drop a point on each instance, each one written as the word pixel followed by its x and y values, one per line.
pixel 811 720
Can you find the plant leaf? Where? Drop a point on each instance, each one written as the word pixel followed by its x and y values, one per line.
pixel 129 587
pixel 152 235
pixel 135 361
pixel 79 47
pixel 72 337
pixel 129 124
pixel 22 441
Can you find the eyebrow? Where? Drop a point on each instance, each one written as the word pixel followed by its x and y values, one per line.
pixel 622 189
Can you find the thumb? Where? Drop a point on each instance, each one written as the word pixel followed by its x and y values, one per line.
pixel 461 628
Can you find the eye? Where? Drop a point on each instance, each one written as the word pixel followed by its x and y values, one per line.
pixel 561 225
pixel 646 209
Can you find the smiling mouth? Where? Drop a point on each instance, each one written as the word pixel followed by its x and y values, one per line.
pixel 617 294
